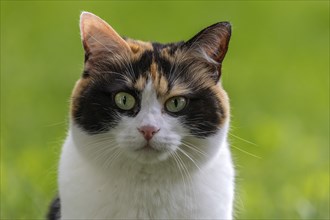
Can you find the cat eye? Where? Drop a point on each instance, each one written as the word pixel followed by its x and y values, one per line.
pixel 175 104
pixel 124 100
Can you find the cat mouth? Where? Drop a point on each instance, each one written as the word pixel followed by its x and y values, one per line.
pixel 149 153
pixel 147 148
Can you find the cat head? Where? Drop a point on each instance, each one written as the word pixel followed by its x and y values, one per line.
pixel 149 100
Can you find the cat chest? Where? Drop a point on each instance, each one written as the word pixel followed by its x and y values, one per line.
pixel 125 192
pixel 146 199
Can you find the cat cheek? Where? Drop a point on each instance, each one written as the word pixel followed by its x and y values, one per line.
pixel 168 140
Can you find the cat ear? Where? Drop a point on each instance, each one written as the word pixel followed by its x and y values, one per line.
pixel 98 35
pixel 212 41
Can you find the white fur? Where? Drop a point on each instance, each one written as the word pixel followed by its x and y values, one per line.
pixel 110 176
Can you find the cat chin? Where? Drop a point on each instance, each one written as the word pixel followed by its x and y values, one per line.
pixel 147 155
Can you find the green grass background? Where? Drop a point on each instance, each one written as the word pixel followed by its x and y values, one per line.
pixel 276 73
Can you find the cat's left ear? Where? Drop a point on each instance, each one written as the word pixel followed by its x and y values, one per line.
pixel 212 41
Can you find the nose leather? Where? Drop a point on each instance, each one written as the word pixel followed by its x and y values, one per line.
pixel 148 131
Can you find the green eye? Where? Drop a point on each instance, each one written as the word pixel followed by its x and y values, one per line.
pixel 124 100
pixel 175 104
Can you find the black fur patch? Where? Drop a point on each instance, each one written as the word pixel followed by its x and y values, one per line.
pixel 164 65
pixel 54 212
pixel 203 114
pixel 97 111
pixel 142 65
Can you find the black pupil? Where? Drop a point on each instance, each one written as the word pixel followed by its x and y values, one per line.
pixel 176 102
pixel 124 100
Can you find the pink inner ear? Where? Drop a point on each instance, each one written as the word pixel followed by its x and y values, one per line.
pixel 213 40
pixel 97 34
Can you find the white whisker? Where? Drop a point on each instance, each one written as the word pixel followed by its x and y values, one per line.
pixel 245 152
pixel 242 139
pixel 194 148
pixel 192 160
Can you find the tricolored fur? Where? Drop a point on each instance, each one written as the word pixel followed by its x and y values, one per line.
pixel 148 162
pixel 173 73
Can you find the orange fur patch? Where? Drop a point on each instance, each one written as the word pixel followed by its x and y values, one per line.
pixel 138 47
pixel 140 83
pixel 153 72
pixel 162 86
pixel 79 87
pixel 221 94
pixel 177 90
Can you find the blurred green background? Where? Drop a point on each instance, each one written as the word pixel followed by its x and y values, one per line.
pixel 276 73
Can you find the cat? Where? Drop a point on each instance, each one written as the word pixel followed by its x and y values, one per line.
pixel 148 129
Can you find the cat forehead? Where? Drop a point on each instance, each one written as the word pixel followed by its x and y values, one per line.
pixel 138 47
pixel 170 70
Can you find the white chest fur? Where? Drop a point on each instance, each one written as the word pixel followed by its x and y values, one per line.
pixel 130 190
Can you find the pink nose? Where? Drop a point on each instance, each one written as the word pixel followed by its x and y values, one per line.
pixel 148 131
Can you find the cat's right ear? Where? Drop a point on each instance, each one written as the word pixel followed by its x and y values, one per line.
pixel 97 36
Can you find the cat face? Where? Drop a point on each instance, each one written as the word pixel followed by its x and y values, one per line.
pixel 149 100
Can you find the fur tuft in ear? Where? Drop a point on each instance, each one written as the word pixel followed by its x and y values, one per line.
pixel 97 35
pixel 212 41
pixel 211 44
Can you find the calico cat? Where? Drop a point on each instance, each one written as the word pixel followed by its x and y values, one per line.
pixel 148 129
